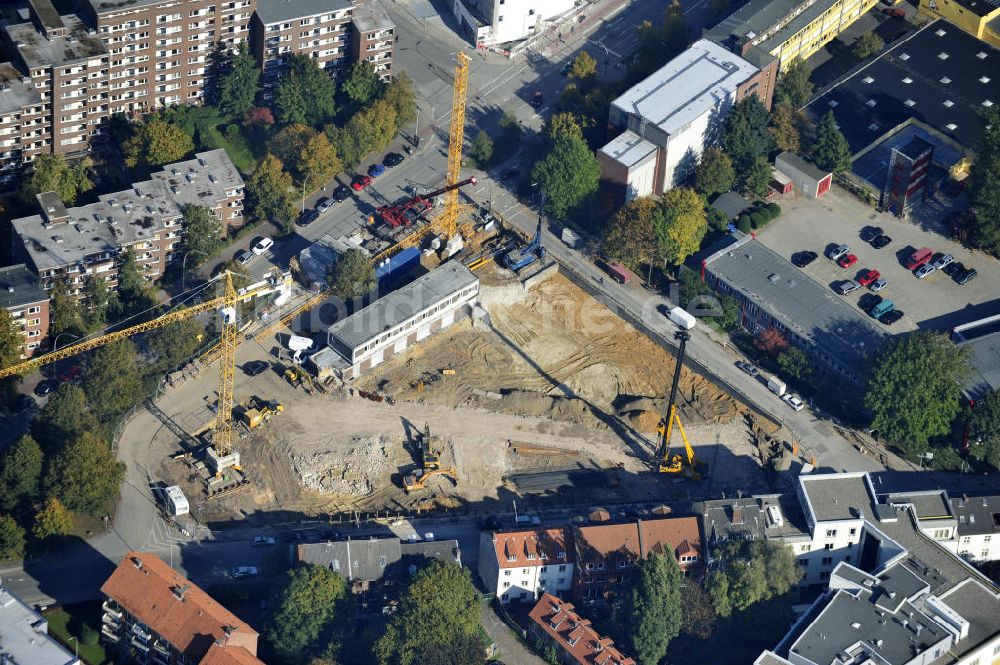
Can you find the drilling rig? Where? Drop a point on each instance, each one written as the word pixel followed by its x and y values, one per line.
pixel 690 465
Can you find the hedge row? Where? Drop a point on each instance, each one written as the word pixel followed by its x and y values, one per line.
pixel 759 217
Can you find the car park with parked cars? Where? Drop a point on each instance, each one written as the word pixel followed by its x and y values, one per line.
pixel 243 257
pixel 878 284
pixel 375 170
pixel 307 218
pixel 966 276
pixel 837 252
pixel 940 262
pixel 881 241
pixel 869 277
pixel 891 317
pixel 324 204
pixel 360 182
pixel 392 160
pixel 342 193
pixel 847 260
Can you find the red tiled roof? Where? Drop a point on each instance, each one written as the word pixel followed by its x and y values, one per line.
pixel 601 540
pixel 229 655
pixel 532 547
pixel 183 614
pixel 574 634
pixel 671 533
pixel 658 536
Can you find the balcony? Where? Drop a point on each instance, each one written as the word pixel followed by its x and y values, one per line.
pixel 139 645
pixel 109 633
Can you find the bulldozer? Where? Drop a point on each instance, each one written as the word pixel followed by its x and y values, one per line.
pixel 418 479
pixel 255 412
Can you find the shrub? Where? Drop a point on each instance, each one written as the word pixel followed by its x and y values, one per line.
pixel 743 223
pixel 232 131
pixel 774 209
pixel 89 635
pixel 758 219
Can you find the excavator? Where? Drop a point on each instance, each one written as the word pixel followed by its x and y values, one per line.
pixel 430 465
pixel 430 459
pixel 690 467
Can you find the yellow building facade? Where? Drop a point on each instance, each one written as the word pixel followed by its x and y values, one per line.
pixel 832 19
pixel 979 18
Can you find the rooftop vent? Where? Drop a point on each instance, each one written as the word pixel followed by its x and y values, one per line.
pixel 856 626
pixel 943 55
pixel 907 80
pixel 981 55
pixel 984 79
pixel 868 79
pixel 773 277
pixel 947 103
pixel 833 103
pixel 951 126
pixel 987 103
pixel 945 80
pixel 909 102
pixel 871 103
pixel 940 33
pixel 904 56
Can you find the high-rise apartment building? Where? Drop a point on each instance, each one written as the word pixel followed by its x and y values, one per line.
pixel 373 39
pixel 22 121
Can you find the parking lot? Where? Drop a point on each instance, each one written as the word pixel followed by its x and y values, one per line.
pixel 936 302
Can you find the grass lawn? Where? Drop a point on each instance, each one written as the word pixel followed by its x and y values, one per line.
pixel 65 622
pixel 208 125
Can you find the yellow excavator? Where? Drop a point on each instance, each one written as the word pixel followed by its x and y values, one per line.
pixel 430 464
pixel 430 459
pixel 691 466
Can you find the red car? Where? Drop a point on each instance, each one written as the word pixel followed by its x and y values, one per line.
pixel 895 12
pixel 847 261
pixel 360 182
pixel 868 277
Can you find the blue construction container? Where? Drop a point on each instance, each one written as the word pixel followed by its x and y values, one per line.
pixel 397 263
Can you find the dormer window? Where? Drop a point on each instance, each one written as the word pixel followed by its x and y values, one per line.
pixel 531 556
pixel 561 554
pixel 543 556
pixel 511 557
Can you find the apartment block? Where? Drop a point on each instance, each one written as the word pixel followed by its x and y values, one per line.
pixel 555 623
pixel 22 295
pixel 88 241
pixel 373 39
pixel 521 565
pixel 317 28
pixel 25 636
pixel 22 121
pixel 153 615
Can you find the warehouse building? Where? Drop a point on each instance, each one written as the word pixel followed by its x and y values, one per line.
pixel 982 339
pixel 402 318
pixel 979 18
pixel 671 116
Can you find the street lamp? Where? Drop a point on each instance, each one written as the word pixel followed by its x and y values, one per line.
pixel 184 265
pixel 76 647
pixel 304 181
pixel 55 344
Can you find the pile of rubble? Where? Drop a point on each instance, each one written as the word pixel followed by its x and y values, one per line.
pixel 358 471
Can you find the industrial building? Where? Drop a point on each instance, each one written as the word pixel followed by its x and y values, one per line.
pixel 87 241
pixel 24 636
pixel 670 117
pixel 22 295
pixel 774 294
pixel 764 31
pixel 554 622
pixel 982 339
pixel 979 18
pixel 494 22
pixel 402 318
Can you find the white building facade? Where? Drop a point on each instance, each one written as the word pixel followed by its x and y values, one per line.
pixel 978 527
pixel 493 22
pixel 522 565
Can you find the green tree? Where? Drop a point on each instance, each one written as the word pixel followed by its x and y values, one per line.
pixel 65 314
pixel 99 302
pixel 984 430
pixel 751 572
pixel 133 289
pixel 867 45
pixel 239 83
pixel 584 67
pixel 306 94
pixel 562 124
pixel 757 177
pixel 400 95
pixel 86 476
pixel 351 276
pixel 714 173
pixel 830 150
pixel 984 192
pixel 377 123
pixel 53 519
pixel 176 343
pixel 482 150
pixel 20 473
pixel 318 161
pixel 202 234
pixel 465 650
pixel 795 364
pixel 363 85
pixel 567 176
pixel 438 609
pixel 288 143
pixel 914 389
pixel 156 142
pixel 112 381
pixel 11 538
pixel 794 88
pixel 347 143
pixel 717 586
pixel 650 613
pixel 311 604
pixel 10 354
pixel 783 128
pixel 52 173
pixel 745 136
pixel 269 192
pixel 680 224
pixel 64 417
pixel 631 239
pixel 699 615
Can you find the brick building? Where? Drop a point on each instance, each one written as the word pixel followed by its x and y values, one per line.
pixel 154 615
pixel 22 123
pixel 88 240
pixel 373 39
pixel 22 295
pixel 554 622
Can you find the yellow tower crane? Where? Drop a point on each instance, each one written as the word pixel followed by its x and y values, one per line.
pixel 221 452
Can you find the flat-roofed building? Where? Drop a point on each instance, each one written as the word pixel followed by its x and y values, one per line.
pixel 373 38
pixel 24 636
pixel 982 339
pixel 979 18
pixel 677 111
pixel 22 295
pixel 402 318
pixel 22 121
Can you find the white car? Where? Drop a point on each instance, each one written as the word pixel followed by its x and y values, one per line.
pixel 943 261
pixel 261 245
pixel 324 204
pixel 243 571
pixel 924 270
pixel 838 251
pixel 878 285
pixel 793 401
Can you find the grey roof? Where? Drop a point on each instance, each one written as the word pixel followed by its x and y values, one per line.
pixel 19 286
pixel 802 165
pixel 317 257
pixel 731 204
pixel 80 43
pixel 15 94
pixel 702 78
pixel 769 658
pixel 746 518
pixel 751 21
pixel 982 338
pixel 366 560
pixel 837 496
pixel 371 16
pixel 978 605
pixel 805 307
pixel 442 550
pixel 977 515
pixel 929 504
pixel 123 218
pixel 276 11
pixel 25 639
pixel 398 306
pixel 629 149
pixel 105 6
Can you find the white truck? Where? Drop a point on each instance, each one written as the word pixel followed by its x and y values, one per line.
pixel 176 502
pixel 571 238
pixel 681 318
pixel 776 385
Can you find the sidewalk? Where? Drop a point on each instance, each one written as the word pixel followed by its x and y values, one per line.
pixel 510 649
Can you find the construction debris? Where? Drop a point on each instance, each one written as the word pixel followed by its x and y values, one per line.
pixel 352 472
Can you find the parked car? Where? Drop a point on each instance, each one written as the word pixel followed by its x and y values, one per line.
pixel 966 276
pixel 878 284
pixel 511 174
pixel 392 160
pixel 324 204
pixel 566 69
pixel 243 571
pixel 342 193
pixel 882 308
pixel 360 182
pixel 924 270
pixel 242 257
pixel 537 99
pixel 869 233
pixel 748 368
pixel 261 245
pixel 847 260
pixel 881 241
pixel 802 259
pixel 375 170
pixel 869 301
pixel 838 251
pixel 846 286
pixel 954 268
pixel 255 367
pixel 262 541
pixel 942 261
pixel 891 317
pixel 894 12
pixel 869 277
pixel 918 258
pixel 45 387
pixel 793 401
pixel 307 218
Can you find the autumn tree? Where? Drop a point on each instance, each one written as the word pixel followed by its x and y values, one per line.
pixel 770 341
pixel 562 124
pixel 155 142
pixel 631 238
pixel 318 161
pixel 11 538
pixel 289 141
pixel 714 173
pixel 259 115
pixel 830 151
pixel 867 45
pixel 584 66
pixel 399 94
pixel 52 519
pixel 270 192
pixel 86 477
pixel 783 128
pixel 52 173
pixel 680 224
pixel 659 43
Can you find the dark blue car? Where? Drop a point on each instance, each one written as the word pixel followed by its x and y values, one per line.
pixel 375 170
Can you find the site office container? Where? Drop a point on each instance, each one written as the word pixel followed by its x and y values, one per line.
pixel 618 272
pixel 919 258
